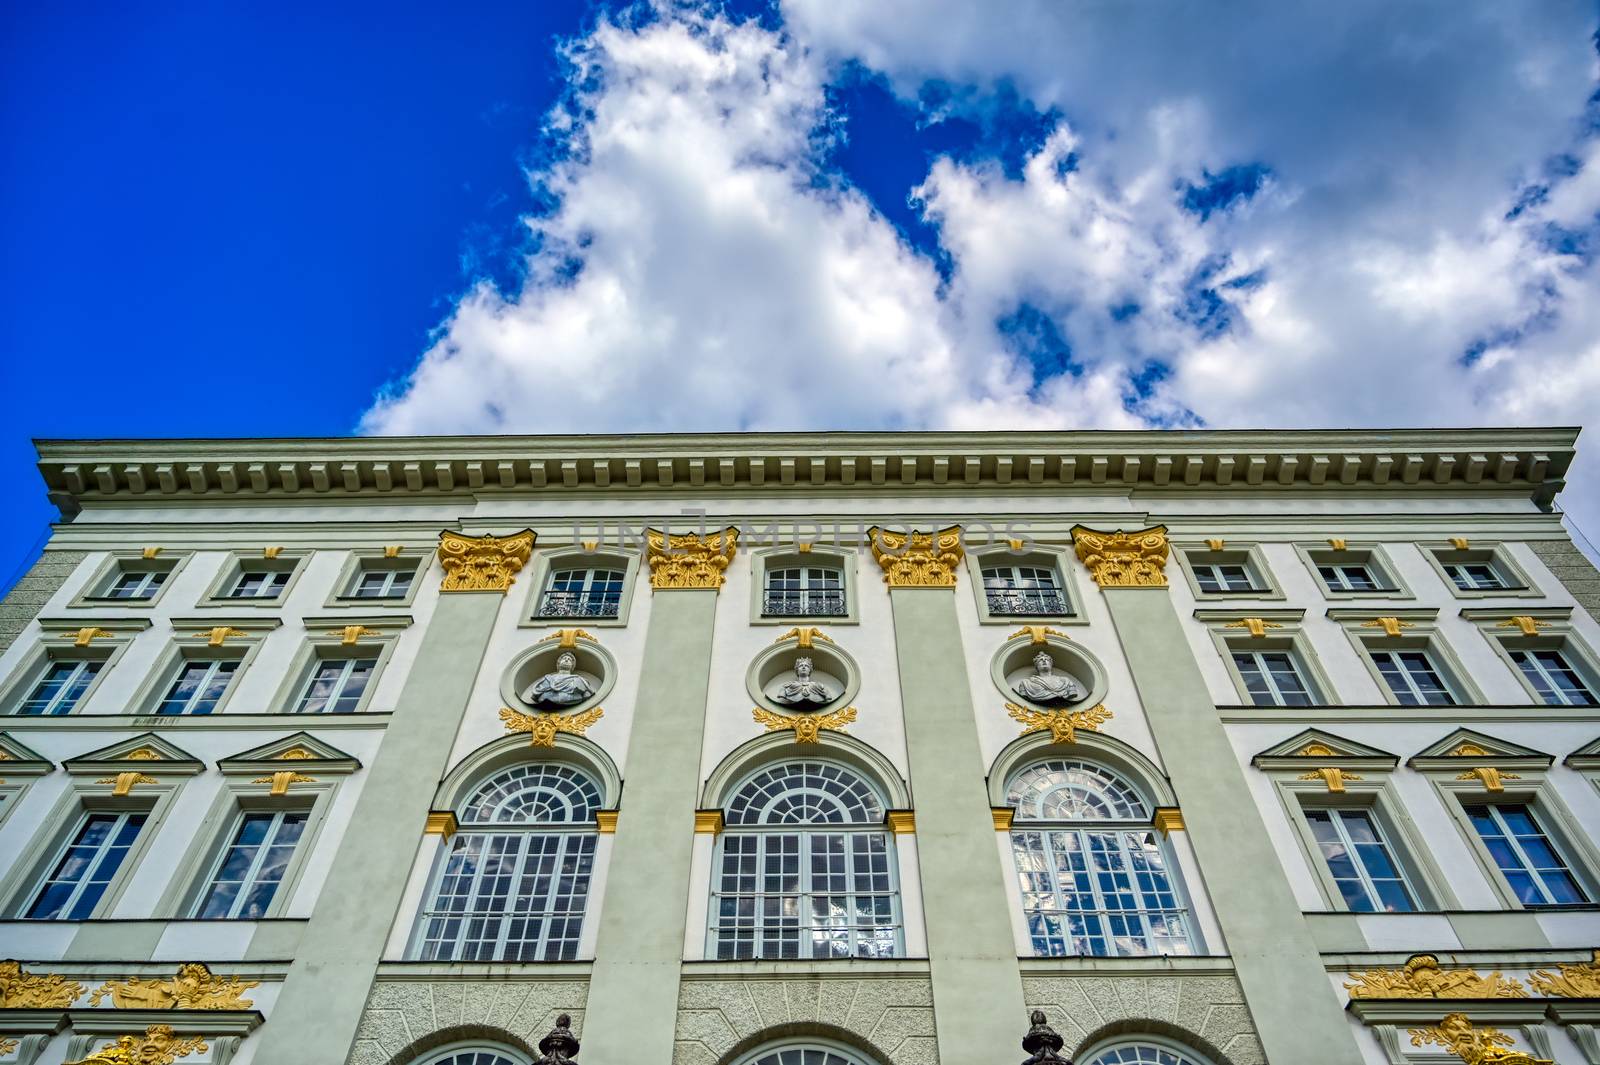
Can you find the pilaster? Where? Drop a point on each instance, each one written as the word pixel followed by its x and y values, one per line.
pixel 633 990
pixel 1274 954
pixel 972 959
pixel 316 1013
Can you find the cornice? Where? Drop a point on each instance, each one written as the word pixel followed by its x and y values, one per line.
pixel 1530 462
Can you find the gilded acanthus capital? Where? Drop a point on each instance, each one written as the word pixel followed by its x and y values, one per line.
pixel 689 560
pixel 918 559
pixel 1123 559
pixel 482 563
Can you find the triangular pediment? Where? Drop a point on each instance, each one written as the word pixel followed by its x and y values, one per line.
pixel 1469 747
pixel 149 751
pixel 1585 757
pixel 1313 744
pixel 300 748
pixel 18 759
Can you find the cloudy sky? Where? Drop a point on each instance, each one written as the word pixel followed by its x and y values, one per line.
pixel 837 214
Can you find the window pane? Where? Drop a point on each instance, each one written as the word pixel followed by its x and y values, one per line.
pixel 1023 590
pixel 252 867
pixel 1519 847
pixel 1093 892
pixel 509 897
pixel 87 867
pixel 59 690
pixel 198 687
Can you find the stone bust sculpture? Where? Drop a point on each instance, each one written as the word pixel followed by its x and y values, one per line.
pixel 803 689
pixel 561 688
pixel 1048 686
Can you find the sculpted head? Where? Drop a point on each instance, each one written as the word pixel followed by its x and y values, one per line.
pixel 802 667
pixel 1043 662
pixel 566 662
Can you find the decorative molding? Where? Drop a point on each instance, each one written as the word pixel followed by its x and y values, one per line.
pixel 158 1046
pixel 1474 1046
pixel 1460 543
pixel 1216 543
pixel 1338 543
pixel 569 637
pixel 218 635
pixel 918 559
pixel 123 783
pixel 1391 626
pixel 441 823
pixel 605 822
pixel 1122 559
pixel 1257 626
pixel 35 991
pixel 271 552
pixel 689 560
pixel 1062 724
pixel 1527 623
pixel 1580 979
pixel 350 635
pixel 1489 776
pixel 708 822
pixel 195 987
pixel 1168 819
pixel 901 822
pixel 542 727
pixel 1038 633
pixel 88 634
pixel 806 727
pixel 1333 776
pixel 150 552
pixel 281 779
pixel 482 563
pixel 804 636
pixel 1422 977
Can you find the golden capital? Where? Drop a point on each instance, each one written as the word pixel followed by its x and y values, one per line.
pixel 918 559
pixel 482 563
pixel 708 822
pixel 1123 559
pixel 901 822
pixel 690 560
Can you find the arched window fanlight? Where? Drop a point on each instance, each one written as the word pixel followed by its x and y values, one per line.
pixel 1095 877
pixel 471 1056
pixel 805 1055
pixel 806 868
pixel 1144 1054
pixel 514 883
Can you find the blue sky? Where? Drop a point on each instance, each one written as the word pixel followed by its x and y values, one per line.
pixel 229 220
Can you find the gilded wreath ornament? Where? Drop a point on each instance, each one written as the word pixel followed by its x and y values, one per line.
pixel 542 727
pixel 918 559
pixel 807 727
pixel 1123 559
pixel 689 560
pixel 1063 725
pixel 38 991
pixel 482 563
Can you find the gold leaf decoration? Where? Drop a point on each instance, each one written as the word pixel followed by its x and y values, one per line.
pixel 1391 626
pixel 1257 626
pixel 1578 980
pixel 1489 776
pixel 569 637
pixel 8 1046
pixel 218 635
pixel 122 783
pixel 87 635
pixel 158 1046
pixel 689 560
pixel 194 988
pixel 1525 623
pixel 1474 1046
pixel 1124 559
pixel 804 636
pixel 1332 776
pixel 350 635
pixel 918 559
pixel 35 991
pixel 1063 724
pixel 482 563
pixel 1422 977
pixel 807 727
pixel 281 780
pixel 1037 633
pixel 542 728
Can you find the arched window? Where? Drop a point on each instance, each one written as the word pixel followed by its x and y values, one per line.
pixel 515 881
pixel 1094 875
pixel 806 869
pixel 804 1054
pixel 471 1056
pixel 1143 1053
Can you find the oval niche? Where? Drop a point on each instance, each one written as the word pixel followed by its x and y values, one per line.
pixel 1014 665
pixel 778 670
pixel 591 663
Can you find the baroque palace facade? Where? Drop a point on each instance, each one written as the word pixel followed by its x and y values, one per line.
pixel 1181 748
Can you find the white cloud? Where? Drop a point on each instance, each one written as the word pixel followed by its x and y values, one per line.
pixel 729 278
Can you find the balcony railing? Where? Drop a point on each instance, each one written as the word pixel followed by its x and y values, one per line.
pixel 1020 603
pixel 819 602
pixel 579 604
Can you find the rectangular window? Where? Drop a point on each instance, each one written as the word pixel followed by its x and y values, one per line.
pixel 62 685
pixel 1360 861
pixel 86 866
pixel 1021 591
pixel 509 897
pixel 1557 683
pixel 373 583
pixel 1525 855
pixel 1345 578
pixel 259 584
pixel 136 584
pixel 199 685
pixel 1273 678
pixel 252 867
pixel 1413 678
pixel 804 591
pixel 1098 892
pixel 336 685
pixel 1476 577
pixel 1223 579
pixel 583 593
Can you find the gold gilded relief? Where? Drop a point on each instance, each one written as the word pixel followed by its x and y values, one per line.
pixel 689 560
pixel 1578 980
pixel 1037 633
pixel 1423 977
pixel 918 559
pixel 808 727
pixel 542 728
pixel 35 991
pixel 195 987
pixel 1474 1046
pixel 158 1046
pixel 482 563
pixel 1124 559
pixel 1332 776
pixel 803 637
pixel 1063 724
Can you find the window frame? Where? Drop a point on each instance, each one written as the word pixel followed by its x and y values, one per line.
pixel 1056 557
pixel 1494 553
pixel 1554 632
pixel 1419 632
pixel 1247 554
pixel 236 799
pixel 56 644
pixel 416 561
pixel 191 643
pixel 796 556
pixel 1135 1040
pixel 1368 554
pixel 1374 796
pixel 323 643
pixel 548 560
pixel 239 563
pixel 1284 633
pixel 91 596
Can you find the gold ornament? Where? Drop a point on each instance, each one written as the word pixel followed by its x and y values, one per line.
pixel 281 780
pixel 35 991
pixel 1124 559
pixel 85 636
pixel 1037 633
pixel 123 782
pixel 158 1046
pixel 918 559
pixel 1390 626
pixel 569 637
pixel 482 563
pixel 804 636
pixel 1063 724
pixel 7 1046
pixel 1489 776
pixel 1474 1046
pixel 689 560
pixel 806 727
pixel 218 635
pixel 1528 624
pixel 1332 776
pixel 351 634
pixel 542 728
pixel 1258 626
pixel 1578 980
pixel 1421 977
pixel 194 988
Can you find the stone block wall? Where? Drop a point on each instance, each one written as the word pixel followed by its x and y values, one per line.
pixel 404 1018
pixel 1573 569
pixel 43 579
pixel 1206 1012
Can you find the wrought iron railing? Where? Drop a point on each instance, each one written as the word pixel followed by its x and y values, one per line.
pixel 579 604
pixel 1021 603
pixel 804 602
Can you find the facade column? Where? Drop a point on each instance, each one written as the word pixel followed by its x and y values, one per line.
pixel 1296 1013
pixel 632 1012
pixel 316 1014
pixel 972 955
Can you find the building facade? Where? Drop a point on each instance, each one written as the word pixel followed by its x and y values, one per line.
pixel 825 749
